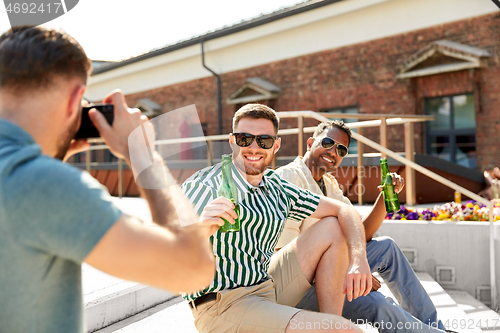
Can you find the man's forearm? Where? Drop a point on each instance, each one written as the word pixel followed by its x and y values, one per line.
pixel 353 229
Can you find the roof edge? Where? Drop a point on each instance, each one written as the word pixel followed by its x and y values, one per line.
pixel 252 23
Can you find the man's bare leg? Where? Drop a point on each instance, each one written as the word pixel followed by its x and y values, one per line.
pixel 315 322
pixel 322 255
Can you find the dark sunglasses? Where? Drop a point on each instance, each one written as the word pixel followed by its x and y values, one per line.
pixel 328 143
pixel 263 141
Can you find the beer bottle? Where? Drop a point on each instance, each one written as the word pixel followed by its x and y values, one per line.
pixel 227 189
pixel 390 197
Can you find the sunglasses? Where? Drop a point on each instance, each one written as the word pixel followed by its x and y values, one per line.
pixel 263 141
pixel 328 143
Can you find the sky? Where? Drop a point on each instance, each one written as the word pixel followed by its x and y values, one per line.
pixel 120 29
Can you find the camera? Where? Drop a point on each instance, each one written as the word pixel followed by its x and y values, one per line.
pixel 87 128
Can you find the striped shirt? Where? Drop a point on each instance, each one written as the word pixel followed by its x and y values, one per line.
pixel 242 258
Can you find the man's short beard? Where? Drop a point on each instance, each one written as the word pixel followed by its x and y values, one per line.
pixel 65 142
pixel 62 149
pixel 240 164
pixel 255 172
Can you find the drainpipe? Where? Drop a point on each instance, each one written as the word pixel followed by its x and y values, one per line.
pixel 219 104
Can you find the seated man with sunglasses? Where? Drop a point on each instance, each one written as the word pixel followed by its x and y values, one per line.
pixel 254 290
pixel 325 152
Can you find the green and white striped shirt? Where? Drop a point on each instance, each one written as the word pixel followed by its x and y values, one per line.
pixel 242 258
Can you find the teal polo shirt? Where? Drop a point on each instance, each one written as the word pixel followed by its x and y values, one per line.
pixel 51 217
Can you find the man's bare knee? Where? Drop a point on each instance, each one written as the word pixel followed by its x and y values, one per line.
pixel 328 230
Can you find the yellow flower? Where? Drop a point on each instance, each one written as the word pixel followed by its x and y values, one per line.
pixel 444 216
pixel 469 205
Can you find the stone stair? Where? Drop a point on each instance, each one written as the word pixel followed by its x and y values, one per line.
pixel 478 314
pixel 458 310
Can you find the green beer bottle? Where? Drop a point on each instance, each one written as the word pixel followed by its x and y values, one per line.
pixel 390 196
pixel 228 190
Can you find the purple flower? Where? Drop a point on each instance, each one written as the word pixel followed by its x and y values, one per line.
pixel 404 211
pixel 412 216
pixel 427 215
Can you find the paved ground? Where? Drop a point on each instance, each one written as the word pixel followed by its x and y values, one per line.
pixel 457 309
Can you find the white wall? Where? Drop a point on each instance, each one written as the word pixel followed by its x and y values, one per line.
pixel 340 24
pixel 463 245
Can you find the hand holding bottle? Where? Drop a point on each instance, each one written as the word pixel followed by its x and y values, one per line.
pixel 216 213
pixel 227 189
pixel 397 180
pixel 391 199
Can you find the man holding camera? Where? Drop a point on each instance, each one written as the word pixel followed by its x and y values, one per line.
pixel 53 217
pixel 325 152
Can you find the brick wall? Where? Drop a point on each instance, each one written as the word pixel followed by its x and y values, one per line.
pixel 363 75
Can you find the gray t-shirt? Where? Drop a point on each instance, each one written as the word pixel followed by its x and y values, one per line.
pixel 51 217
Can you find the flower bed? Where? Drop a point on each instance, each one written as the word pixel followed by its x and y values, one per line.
pixel 451 211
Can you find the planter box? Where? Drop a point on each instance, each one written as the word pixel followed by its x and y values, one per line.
pixel 465 246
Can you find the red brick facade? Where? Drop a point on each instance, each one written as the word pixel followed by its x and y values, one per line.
pixel 364 75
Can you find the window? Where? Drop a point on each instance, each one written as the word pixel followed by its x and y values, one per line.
pixel 353 144
pixel 452 136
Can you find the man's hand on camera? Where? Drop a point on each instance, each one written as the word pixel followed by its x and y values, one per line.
pixel 125 121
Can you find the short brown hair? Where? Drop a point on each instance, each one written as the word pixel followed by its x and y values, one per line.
pixel 333 124
pixel 32 57
pixel 256 111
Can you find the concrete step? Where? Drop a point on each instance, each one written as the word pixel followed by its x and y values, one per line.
pixel 478 314
pixel 458 310
pixel 108 300
pixel 175 315
pixel 448 310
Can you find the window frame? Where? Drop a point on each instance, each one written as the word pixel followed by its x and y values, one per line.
pixel 451 132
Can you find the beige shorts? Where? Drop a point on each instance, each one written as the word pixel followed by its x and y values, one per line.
pixel 266 307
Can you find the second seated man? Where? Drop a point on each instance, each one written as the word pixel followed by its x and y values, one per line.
pixel 416 312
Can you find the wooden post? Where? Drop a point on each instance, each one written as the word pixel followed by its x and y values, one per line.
pixel 120 178
pixel 300 137
pixel 361 169
pixel 87 160
pixel 210 160
pixel 411 191
pixel 383 134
